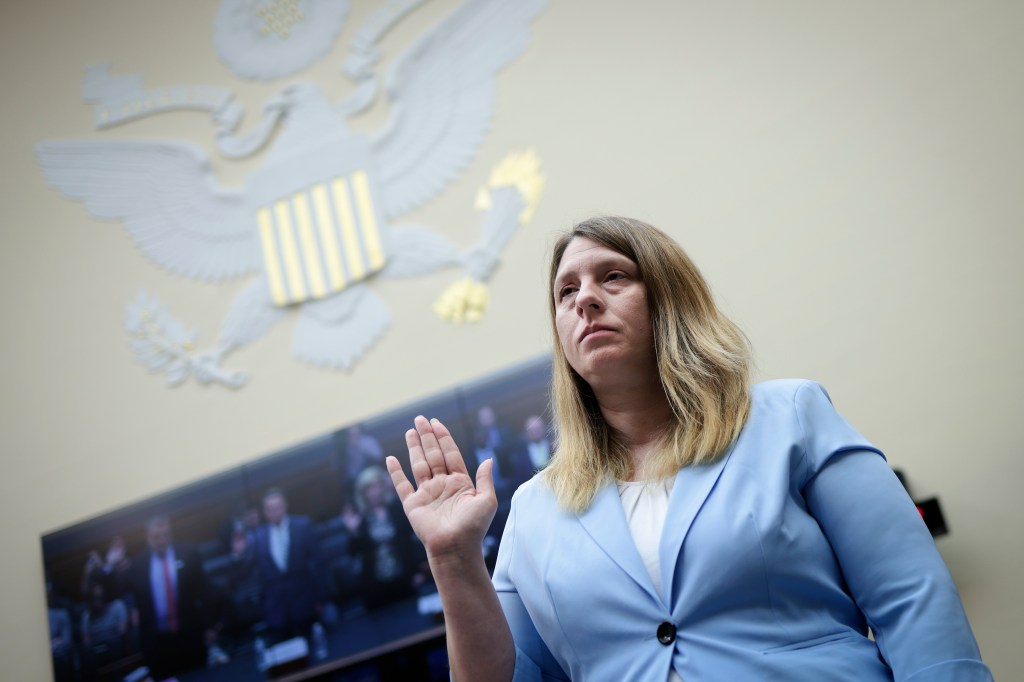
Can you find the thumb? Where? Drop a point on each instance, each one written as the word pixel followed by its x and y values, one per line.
pixel 485 477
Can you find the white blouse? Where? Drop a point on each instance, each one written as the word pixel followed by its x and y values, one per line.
pixel 646 504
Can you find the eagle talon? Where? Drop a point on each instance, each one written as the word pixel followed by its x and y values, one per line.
pixel 463 301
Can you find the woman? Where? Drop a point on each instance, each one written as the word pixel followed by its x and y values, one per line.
pixel 689 526
pixel 391 557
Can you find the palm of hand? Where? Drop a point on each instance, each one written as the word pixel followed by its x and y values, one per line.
pixel 448 512
pixel 448 508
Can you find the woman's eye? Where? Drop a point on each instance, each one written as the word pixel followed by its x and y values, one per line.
pixel 614 276
pixel 565 291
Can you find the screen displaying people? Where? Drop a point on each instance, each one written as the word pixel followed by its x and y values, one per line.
pixel 309 541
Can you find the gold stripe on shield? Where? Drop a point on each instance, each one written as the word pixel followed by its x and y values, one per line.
pixel 310 252
pixel 292 266
pixel 322 210
pixel 348 228
pixel 270 256
pixel 367 219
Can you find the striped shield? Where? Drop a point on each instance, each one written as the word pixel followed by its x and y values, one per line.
pixel 319 227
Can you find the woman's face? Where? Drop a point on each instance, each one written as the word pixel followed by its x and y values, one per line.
pixel 374 494
pixel 601 313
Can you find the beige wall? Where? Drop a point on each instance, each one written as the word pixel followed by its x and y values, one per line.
pixel 847 174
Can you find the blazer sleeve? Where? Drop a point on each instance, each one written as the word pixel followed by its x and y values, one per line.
pixel 888 557
pixel 534 661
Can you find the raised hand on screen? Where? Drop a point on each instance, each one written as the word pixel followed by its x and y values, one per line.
pixel 448 512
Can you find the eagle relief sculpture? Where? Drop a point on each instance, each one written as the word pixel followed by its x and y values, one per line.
pixel 318 221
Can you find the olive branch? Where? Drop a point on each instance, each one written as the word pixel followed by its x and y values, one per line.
pixel 162 344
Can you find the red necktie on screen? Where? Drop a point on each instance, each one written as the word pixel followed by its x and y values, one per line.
pixel 172 602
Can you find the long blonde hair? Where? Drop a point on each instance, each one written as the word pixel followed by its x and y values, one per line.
pixel 703 360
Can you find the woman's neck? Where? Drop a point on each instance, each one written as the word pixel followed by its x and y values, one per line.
pixel 639 411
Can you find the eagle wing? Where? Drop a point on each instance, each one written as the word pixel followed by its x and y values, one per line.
pixel 167 198
pixel 442 92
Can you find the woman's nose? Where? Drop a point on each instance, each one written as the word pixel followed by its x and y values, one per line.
pixel 588 297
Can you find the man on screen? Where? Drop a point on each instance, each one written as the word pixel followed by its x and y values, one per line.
pixel 536 442
pixel 288 557
pixel 171 603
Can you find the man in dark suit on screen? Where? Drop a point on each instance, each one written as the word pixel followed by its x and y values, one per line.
pixel 288 557
pixel 171 603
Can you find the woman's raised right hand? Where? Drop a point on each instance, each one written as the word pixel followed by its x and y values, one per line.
pixel 449 514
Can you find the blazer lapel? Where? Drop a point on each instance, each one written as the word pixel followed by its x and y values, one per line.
pixel 692 486
pixel 293 553
pixel 605 522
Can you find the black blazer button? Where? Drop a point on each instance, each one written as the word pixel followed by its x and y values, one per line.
pixel 666 633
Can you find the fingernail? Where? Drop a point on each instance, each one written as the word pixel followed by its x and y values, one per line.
pixel 435 420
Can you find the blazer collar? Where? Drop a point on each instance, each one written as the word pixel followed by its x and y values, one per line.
pixel 605 522
pixel 692 486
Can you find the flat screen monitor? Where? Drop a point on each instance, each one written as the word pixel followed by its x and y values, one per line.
pixel 297 565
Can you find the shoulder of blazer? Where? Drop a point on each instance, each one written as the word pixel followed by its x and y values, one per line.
pixel 777 398
pixel 785 389
pixel 535 500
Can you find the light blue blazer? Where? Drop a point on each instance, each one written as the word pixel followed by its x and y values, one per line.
pixel 775 561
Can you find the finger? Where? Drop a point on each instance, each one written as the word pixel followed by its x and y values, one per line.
pixel 431 448
pixel 452 456
pixel 402 485
pixel 418 462
pixel 485 478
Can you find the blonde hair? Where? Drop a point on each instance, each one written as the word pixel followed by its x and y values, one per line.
pixel 367 477
pixel 703 360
